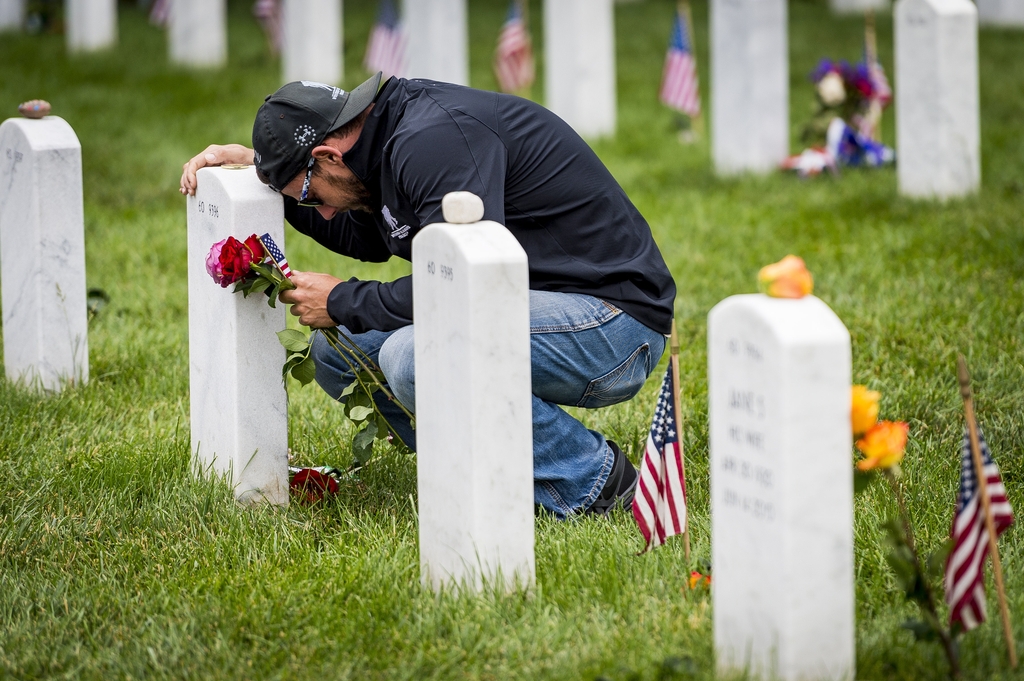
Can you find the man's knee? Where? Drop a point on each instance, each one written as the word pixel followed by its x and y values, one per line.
pixel 397 361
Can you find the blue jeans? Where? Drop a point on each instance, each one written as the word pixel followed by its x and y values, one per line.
pixel 584 353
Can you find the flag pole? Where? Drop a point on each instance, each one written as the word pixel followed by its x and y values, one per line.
pixel 870 59
pixel 697 122
pixel 979 474
pixel 674 362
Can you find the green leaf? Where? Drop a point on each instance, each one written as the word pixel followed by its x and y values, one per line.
pixel 360 413
pixel 272 299
pixel 242 286
pixel 862 479
pixel 262 270
pixel 937 560
pixel 362 444
pixel 294 341
pixel 260 284
pixel 365 436
pixel 382 427
pixel 349 389
pixel 305 371
pixel 894 532
pixel 358 398
pixel 923 631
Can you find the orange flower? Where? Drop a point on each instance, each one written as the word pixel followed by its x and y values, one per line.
pixel 883 445
pixel 788 278
pixel 697 579
pixel 864 413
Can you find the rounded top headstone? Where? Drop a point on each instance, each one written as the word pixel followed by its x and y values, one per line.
pixel 34 108
pixel 462 208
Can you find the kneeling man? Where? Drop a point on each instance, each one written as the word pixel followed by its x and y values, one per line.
pixel 362 171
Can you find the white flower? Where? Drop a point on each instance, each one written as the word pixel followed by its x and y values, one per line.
pixel 831 90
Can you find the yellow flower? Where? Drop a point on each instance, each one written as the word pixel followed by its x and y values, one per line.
pixel 788 278
pixel 697 579
pixel 864 413
pixel 883 446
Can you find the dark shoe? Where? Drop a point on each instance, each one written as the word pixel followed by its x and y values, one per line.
pixel 620 486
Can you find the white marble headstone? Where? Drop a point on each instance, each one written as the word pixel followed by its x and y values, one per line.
pixel 781 489
pixel 1008 13
pixel 198 33
pixel 749 85
pixel 42 253
pixel 312 50
pixel 938 137
pixel 437 44
pixel 474 430
pixel 239 407
pixel 12 15
pixel 857 6
pixel 579 64
pixel 90 24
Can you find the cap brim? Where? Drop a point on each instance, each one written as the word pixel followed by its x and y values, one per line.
pixel 358 99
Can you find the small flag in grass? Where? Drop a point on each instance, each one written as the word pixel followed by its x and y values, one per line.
pixel 268 14
pixel 385 51
pixel 679 77
pixel 965 567
pixel 513 58
pixel 660 503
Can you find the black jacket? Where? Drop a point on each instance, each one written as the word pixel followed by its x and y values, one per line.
pixel 535 175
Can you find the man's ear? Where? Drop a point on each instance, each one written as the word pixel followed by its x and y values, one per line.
pixel 327 154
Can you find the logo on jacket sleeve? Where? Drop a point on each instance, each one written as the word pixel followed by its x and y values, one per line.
pixel 396 231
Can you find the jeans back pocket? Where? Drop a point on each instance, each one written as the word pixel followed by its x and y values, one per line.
pixel 621 383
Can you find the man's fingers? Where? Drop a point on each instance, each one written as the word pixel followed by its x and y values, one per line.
pixel 213 155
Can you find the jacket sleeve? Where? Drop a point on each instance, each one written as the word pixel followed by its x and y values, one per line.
pixel 352 233
pixel 362 306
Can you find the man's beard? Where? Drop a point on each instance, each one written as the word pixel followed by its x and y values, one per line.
pixel 355 193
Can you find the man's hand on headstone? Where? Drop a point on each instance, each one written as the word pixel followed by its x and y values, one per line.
pixel 213 155
pixel 309 298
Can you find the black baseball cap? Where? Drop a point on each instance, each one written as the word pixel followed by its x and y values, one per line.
pixel 297 118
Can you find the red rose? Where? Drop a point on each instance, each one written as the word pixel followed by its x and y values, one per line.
pixel 256 248
pixel 235 258
pixel 311 485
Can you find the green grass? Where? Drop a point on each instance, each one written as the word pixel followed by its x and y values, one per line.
pixel 115 561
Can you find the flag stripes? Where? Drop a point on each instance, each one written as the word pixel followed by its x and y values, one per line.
pixel 513 58
pixel 276 254
pixel 386 49
pixel 965 574
pixel 160 13
pixel 659 507
pixel 268 14
pixel 679 77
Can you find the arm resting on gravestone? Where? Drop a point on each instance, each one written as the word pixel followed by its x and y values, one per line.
pixel 362 306
pixel 353 233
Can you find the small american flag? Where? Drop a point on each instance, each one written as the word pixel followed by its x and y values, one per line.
pixel 513 58
pixel 660 503
pixel 160 12
pixel 882 91
pixel 679 77
pixel 276 254
pixel 268 13
pixel 386 49
pixel 965 574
